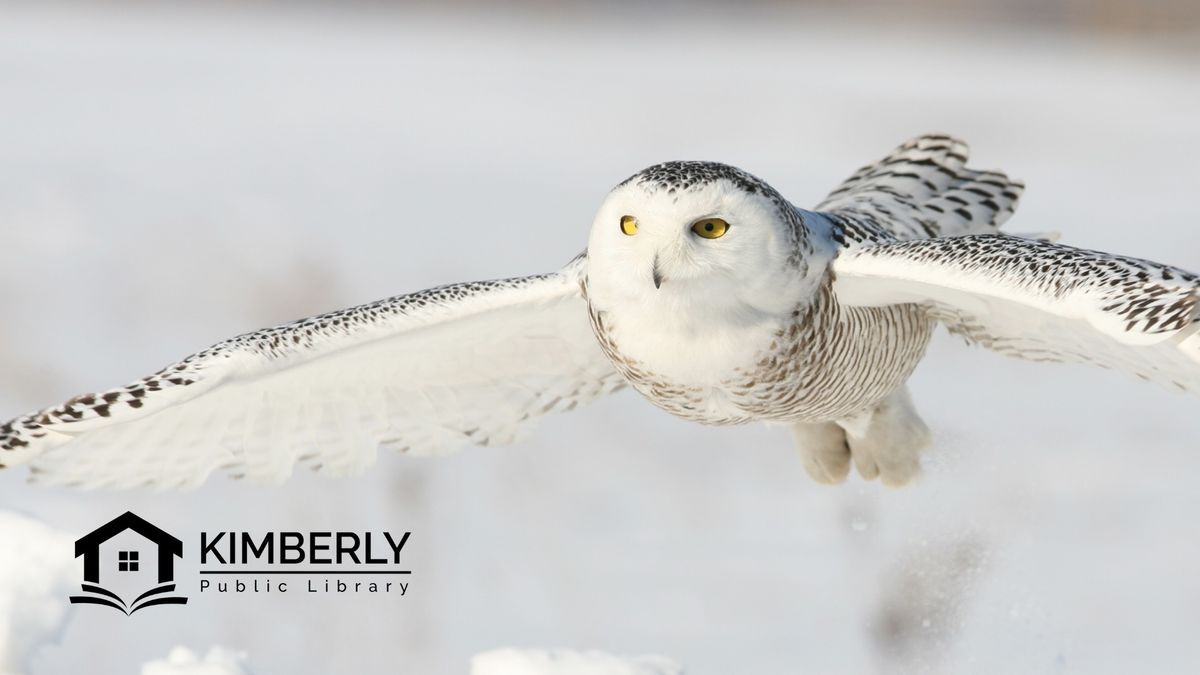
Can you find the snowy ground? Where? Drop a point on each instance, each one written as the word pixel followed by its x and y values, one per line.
pixel 168 179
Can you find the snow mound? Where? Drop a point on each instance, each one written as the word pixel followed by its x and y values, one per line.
pixel 510 661
pixel 37 573
pixel 183 661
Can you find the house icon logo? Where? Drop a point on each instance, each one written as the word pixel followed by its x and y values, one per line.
pixel 128 563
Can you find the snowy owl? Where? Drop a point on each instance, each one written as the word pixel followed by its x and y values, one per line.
pixel 701 287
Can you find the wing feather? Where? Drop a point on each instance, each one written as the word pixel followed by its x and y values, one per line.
pixel 1040 301
pixel 923 189
pixel 473 363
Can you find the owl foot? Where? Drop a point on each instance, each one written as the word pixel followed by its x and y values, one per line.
pixel 884 442
pixel 824 450
pixel 887 441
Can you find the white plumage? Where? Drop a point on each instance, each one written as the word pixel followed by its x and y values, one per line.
pixel 328 391
pixel 1041 301
pixel 702 287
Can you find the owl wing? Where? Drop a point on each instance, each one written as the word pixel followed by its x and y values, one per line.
pixel 1040 301
pixel 471 363
pixel 922 189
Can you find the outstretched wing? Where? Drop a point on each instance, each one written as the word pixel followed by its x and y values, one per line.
pixel 470 363
pixel 922 189
pixel 1040 301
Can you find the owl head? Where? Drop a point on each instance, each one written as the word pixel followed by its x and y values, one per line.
pixel 685 232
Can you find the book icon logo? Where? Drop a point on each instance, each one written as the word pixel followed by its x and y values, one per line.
pixel 129 564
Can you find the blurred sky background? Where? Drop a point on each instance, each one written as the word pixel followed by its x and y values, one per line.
pixel 173 174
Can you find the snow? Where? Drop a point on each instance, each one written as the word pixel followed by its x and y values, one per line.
pixel 512 661
pixel 183 661
pixel 170 177
pixel 37 573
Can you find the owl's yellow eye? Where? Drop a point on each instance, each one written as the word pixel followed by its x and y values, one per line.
pixel 710 228
pixel 629 225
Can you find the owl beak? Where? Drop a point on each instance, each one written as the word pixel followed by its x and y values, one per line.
pixel 656 274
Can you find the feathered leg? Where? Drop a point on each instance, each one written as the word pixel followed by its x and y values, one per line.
pixel 886 442
pixel 824 449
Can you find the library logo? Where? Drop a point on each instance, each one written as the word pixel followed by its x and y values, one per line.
pixel 114 553
pixel 129 564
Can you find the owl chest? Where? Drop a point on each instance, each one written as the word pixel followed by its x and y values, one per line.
pixel 693 369
pixel 821 364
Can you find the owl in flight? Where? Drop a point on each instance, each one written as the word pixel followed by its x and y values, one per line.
pixel 702 287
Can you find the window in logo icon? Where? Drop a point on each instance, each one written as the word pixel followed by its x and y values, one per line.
pixel 127 561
